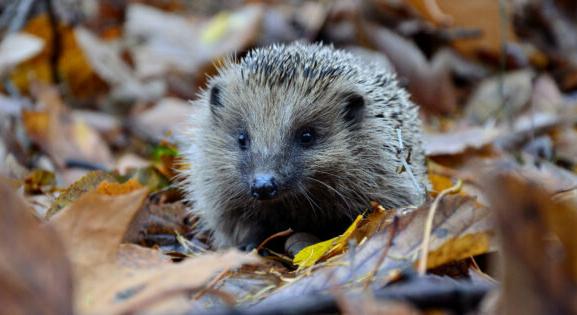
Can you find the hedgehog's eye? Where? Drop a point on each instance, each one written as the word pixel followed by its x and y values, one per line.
pixel 243 140
pixel 307 137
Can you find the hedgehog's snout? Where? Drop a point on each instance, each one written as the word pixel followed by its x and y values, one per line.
pixel 264 187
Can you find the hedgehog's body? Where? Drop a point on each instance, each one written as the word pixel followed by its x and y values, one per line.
pixel 302 137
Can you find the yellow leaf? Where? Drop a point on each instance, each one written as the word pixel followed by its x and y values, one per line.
pixel 440 182
pixel 459 248
pixel 310 255
pixel 216 28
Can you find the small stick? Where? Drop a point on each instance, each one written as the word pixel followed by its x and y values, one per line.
pixel 286 232
pixel 422 269
pixel 210 286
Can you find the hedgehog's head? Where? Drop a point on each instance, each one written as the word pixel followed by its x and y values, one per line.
pixel 281 125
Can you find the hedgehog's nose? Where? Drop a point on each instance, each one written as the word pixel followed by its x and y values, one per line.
pixel 263 187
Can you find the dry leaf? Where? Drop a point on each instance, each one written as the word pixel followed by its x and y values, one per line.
pixel 539 271
pixel 62 136
pixel 106 61
pixel 498 96
pixel 16 48
pixel 93 226
pixel 168 115
pixel 72 192
pixel 114 188
pixel 456 217
pixel 174 43
pixel 310 255
pixel 430 83
pixel 36 275
pixel 466 14
pixel 74 69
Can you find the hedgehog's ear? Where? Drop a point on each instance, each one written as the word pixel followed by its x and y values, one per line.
pixel 215 97
pixel 354 108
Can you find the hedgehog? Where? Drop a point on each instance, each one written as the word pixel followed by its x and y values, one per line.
pixel 300 136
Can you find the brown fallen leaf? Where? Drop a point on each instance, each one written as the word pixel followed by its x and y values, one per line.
pixel 497 97
pixel 539 244
pixel 115 279
pixel 159 222
pixel 430 83
pixel 159 122
pixel 465 14
pixel 471 137
pixel 36 274
pixel 73 67
pixel 108 64
pixel 171 42
pixel 58 133
pixel 94 225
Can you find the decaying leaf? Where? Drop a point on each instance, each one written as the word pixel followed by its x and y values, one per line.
pixel 72 192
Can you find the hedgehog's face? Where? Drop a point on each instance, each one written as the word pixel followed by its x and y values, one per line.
pixel 284 141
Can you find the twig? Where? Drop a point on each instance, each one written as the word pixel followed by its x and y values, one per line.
pixel 422 269
pixel 210 286
pixel 275 235
pixel 394 227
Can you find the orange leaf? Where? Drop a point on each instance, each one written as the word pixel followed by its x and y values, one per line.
pixel 112 188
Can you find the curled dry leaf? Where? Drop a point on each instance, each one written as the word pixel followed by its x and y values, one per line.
pixel 94 225
pixel 36 275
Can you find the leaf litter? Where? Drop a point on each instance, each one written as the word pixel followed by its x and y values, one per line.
pixel 93 221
